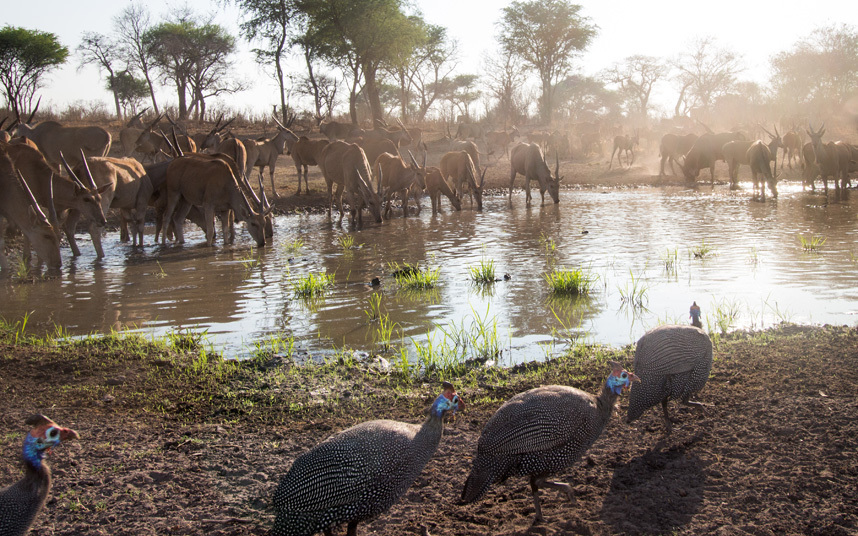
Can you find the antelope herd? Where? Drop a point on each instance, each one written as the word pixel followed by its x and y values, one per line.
pixel 54 176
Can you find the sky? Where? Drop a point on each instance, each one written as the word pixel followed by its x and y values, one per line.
pixel 662 28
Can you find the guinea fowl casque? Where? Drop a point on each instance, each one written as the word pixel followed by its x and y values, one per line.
pixel 542 432
pixel 358 473
pixel 20 502
pixel 673 362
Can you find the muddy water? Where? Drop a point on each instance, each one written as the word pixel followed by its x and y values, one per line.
pixel 756 274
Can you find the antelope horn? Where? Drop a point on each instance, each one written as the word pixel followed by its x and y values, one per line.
pixel 88 172
pixel 252 193
pixel 176 142
pixel 264 204
pixel 557 165
pixel 214 129
pixel 170 119
pixel 36 109
pixel 169 144
pixel 31 196
pixel 52 208
pixel 413 160
pixel 766 131
pixel 3 122
pixel 279 124
pixel 155 122
pixel 71 173
pixel 226 124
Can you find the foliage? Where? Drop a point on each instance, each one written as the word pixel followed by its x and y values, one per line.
pixel 820 70
pixel 704 73
pixel 26 56
pixel 194 57
pixel 635 77
pixel 129 89
pixel 546 35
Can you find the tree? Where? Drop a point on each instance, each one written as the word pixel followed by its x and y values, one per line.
pixel 26 56
pixel 705 73
pixel 504 79
pixel 131 27
pixel 546 35
pixel 129 90
pixel 585 98
pixel 820 69
pixel 636 76
pixel 461 91
pixel 101 51
pixel 194 57
pixel 360 37
pixel 321 88
pixel 270 21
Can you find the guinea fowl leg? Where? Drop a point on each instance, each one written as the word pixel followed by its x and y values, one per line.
pixel 540 482
pixel 666 417
pixel 352 530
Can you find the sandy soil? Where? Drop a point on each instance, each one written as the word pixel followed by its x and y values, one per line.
pixel 775 453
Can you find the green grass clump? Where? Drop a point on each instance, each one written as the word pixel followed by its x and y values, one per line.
pixel 814 243
pixel 635 291
pixel 347 242
pixel 293 246
pixel 566 281
pixel 701 251
pixel 412 277
pixel 483 273
pixel 312 285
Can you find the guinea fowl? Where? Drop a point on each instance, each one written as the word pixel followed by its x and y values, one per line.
pixel 358 473
pixel 673 362
pixel 20 502
pixel 542 432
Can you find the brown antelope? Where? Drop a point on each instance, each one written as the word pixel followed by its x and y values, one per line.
pixel 792 147
pixel 129 134
pixel 400 177
pixel 705 151
pixel 759 158
pixel 469 147
pixel 435 186
pixel 305 153
pixel 69 196
pixel 208 141
pixel 52 137
pixel 500 140
pixel 672 148
pixel 470 130
pixel 373 147
pixel 825 157
pixel 736 153
pixel 345 164
pixel 126 187
pixel 624 144
pixel 334 130
pixel 460 167
pixel 558 143
pixel 398 136
pixel 271 148
pixel 527 159
pixel 209 182
pixel 539 138
pixel 19 206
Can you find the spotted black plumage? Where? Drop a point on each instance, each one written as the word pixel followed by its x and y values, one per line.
pixel 542 432
pixel 20 502
pixel 358 473
pixel 673 363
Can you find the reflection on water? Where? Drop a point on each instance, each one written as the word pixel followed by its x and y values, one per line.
pixel 757 273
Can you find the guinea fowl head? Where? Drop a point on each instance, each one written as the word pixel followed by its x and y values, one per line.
pixel 44 435
pixel 620 379
pixel 448 400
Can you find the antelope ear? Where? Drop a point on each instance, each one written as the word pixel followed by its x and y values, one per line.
pixel 35 219
pixel 104 188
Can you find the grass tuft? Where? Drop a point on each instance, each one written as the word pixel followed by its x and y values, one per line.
pixel 312 285
pixel 566 281
pixel 814 243
pixel 484 273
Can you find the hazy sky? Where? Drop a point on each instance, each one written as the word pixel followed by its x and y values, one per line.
pixel 755 29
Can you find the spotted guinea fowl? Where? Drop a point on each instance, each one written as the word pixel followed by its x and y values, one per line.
pixel 358 473
pixel 542 432
pixel 673 362
pixel 20 502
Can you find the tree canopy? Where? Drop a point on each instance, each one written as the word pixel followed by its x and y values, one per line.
pixel 25 57
pixel 546 35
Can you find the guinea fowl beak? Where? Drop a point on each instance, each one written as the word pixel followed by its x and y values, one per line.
pixel 67 434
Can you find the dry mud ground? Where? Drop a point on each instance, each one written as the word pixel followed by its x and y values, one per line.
pixel 169 447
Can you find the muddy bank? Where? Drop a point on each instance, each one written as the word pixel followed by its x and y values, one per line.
pixel 182 443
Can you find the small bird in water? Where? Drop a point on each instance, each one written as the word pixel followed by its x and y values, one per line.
pixel 20 502
pixel 694 313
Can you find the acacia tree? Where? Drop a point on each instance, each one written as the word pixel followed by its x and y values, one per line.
pixel 360 37
pixel 131 26
pixel 129 90
pixel 26 56
pixel 194 58
pixel 822 68
pixel 546 35
pixel 704 73
pixel 272 22
pixel 636 76
pixel 99 50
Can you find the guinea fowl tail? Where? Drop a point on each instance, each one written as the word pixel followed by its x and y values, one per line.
pixel 482 476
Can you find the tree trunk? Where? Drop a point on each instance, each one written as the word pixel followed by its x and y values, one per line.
pixel 278 54
pixel 547 103
pixel 372 94
pixel 317 100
